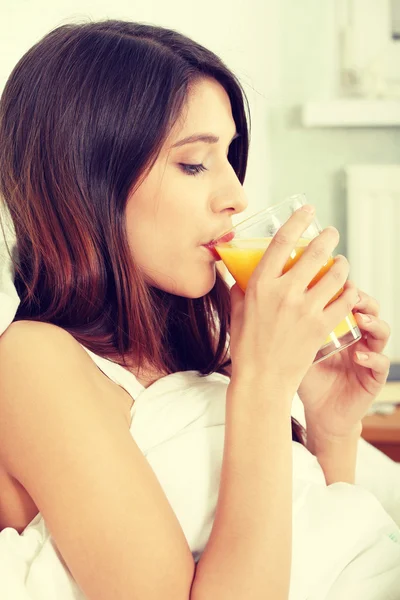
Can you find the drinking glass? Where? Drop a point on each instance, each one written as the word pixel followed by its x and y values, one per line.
pixel 242 247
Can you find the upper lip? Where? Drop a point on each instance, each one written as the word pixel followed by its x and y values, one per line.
pixel 228 233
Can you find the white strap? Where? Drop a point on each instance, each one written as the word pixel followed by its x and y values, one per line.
pixel 118 374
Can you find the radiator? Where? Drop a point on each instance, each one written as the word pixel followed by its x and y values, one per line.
pixel 373 248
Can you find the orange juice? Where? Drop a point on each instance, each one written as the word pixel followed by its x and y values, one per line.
pixel 241 256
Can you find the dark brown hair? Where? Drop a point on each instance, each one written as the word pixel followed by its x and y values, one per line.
pixel 83 117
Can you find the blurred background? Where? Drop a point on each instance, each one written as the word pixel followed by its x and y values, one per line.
pixel 323 82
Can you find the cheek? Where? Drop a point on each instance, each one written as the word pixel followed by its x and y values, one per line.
pixel 163 222
pixel 172 262
pixel 161 243
pixel 168 238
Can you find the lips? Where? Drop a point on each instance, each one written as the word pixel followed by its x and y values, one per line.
pixel 213 251
pixel 227 237
pixel 221 240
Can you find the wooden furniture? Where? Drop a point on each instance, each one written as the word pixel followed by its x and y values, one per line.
pixel 383 431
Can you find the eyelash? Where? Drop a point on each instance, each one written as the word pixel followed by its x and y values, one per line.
pixel 192 169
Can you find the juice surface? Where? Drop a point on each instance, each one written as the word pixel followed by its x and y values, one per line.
pixel 241 256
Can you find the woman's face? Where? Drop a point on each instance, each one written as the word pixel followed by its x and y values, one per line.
pixel 188 197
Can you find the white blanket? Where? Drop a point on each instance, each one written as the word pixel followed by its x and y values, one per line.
pixel 346 543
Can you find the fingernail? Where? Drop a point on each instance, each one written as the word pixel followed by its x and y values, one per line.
pixel 308 208
pixel 362 356
pixel 358 299
pixel 365 318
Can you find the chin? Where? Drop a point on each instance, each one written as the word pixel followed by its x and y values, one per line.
pixel 198 291
pixel 193 282
pixel 195 287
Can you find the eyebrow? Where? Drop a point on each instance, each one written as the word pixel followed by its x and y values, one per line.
pixel 207 138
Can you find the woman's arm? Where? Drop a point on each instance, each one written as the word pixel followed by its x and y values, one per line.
pixel 249 551
pixel 73 452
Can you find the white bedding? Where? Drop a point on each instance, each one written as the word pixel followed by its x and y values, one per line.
pixel 346 543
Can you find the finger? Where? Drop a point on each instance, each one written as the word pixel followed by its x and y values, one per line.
pixel 367 304
pixel 335 312
pixel 317 260
pixel 378 364
pixel 333 282
pixel 378 331
pixel 284 241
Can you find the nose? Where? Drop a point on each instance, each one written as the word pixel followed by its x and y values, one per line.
pixel 230 196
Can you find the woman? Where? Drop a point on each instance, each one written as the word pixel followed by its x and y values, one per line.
pixel 146 435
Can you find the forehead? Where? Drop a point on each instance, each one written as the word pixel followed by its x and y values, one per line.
pixel 207 110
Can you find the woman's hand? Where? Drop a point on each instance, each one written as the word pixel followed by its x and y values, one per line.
pixel 279 324
pixel 338 391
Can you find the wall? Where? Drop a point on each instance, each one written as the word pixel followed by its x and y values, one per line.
pixel 312 160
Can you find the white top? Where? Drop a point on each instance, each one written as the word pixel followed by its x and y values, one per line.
pixel 345 543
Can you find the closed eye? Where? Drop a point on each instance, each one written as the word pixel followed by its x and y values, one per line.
pixel 192 169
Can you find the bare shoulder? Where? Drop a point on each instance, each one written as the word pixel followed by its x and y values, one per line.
pixel 30 327
pixel 33 340
pixel 27 343
pixel 80 465
pixel 50 351
pixel 45 377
